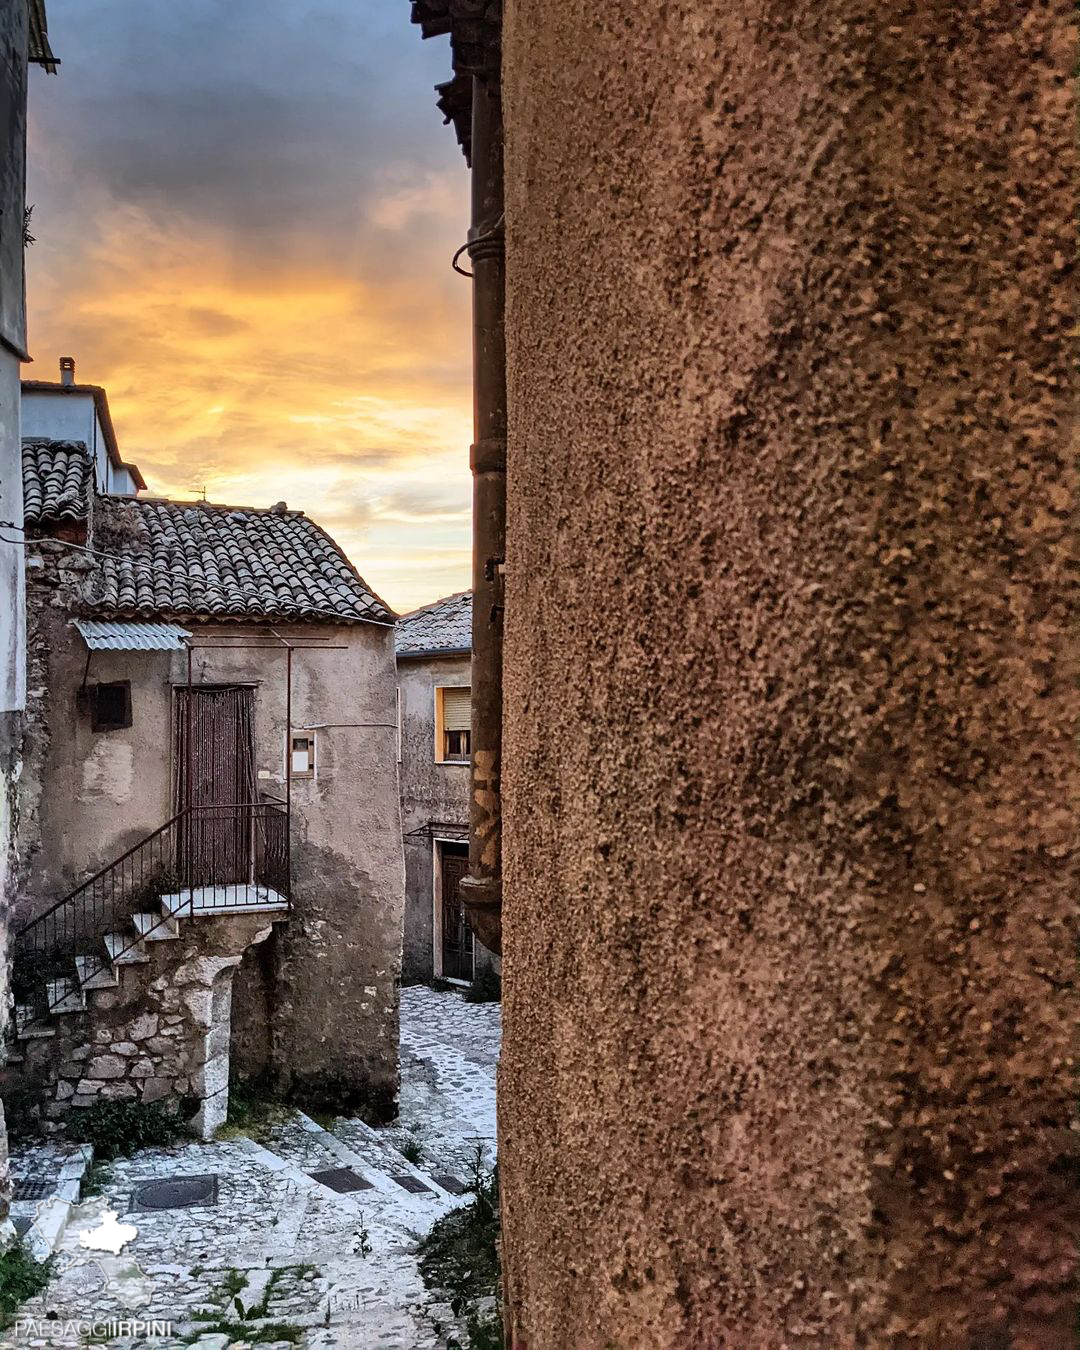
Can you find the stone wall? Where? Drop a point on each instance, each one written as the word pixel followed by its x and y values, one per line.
pixel 161 1034
pixel 790 969
pixel 252 1047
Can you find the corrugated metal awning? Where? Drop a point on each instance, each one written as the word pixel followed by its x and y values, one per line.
pixel 117 635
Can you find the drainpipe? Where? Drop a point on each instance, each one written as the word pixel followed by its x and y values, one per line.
pixel 481 890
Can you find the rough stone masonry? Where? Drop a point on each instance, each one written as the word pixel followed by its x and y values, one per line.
pixel 162 1033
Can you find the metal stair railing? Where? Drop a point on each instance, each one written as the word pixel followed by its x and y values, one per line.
pixel 228 848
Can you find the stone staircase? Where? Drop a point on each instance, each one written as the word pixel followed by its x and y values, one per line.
pixel 144 1013
pixel 46 1184
pixel 100 967
pixel 353 1146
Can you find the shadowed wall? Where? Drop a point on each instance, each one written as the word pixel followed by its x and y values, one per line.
pixel 789 767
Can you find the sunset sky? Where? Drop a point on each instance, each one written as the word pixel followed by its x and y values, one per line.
pixel 244 215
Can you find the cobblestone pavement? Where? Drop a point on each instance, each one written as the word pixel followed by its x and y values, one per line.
pixel 332 1269
pixel 449 1050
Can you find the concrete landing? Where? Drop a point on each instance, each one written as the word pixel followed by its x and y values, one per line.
pixel 238 899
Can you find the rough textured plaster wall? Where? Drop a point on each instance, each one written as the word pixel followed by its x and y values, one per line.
pixel 788 899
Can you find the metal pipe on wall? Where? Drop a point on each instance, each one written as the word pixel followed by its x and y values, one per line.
pixel 481 890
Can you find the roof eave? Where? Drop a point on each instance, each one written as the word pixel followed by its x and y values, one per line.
pixel 40 53
pixel 166 615
pixel 432 652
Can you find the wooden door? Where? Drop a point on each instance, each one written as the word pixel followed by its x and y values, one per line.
pixel 457 938
pixel 214 757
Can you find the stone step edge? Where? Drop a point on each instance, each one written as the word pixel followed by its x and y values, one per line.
pixel 51 1215
pixel 352 1201
pixel 350 1158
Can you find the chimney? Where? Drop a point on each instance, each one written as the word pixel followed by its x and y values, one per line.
pixel 67 370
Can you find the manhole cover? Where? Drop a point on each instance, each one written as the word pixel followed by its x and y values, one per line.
pixel 22 1224
pixel 408 1182
pixel 449 1183
pixel 175 1193
pixel 33 1188
pixel 341 1179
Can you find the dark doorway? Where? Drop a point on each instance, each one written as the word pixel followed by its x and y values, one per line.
pixel 214 757
pixel 456 935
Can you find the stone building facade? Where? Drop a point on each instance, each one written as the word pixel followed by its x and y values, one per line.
pixel 433 666
pixel 787 923
pixel 209 683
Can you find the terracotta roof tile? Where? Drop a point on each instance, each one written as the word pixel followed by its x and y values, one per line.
pixel 196 559
pixel 56 481
pixel 445 626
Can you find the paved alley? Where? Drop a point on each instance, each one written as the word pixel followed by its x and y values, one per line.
pixel 272 1249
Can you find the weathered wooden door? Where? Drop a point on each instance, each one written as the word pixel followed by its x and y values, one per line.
pixel 457 938
pixel 214 758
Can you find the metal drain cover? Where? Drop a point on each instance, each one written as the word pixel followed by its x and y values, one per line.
pixel 342 1180
pixel 175 1193
pixel 33 1188
pixel 449 1183
pixel 408 1182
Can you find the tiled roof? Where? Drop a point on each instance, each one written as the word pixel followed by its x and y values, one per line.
pixel 475 28
pixel 194 559
pixel 56 481
pixel 445 626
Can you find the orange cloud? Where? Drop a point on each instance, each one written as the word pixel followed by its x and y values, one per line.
pixel 343 391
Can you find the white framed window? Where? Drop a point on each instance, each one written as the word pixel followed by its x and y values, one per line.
pixel 453 724
pixel 302 750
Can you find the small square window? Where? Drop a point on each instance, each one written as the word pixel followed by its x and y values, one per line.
pixel 302 749
pixel 110 706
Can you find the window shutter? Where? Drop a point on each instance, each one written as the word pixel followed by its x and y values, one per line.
pixel 457 709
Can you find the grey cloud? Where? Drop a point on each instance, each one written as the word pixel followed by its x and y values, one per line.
pixel 212 323
pixel 272 121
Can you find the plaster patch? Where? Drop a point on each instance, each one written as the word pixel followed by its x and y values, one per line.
pixel 108 771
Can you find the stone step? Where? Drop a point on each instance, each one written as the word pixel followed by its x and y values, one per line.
pixel 44 1219
pixel 231 899
pixel 95 972
pixel 27 1024
pixel 390 1187
pixel 357 1145
pixel 155 927
pixel 65 996
pixel 125 951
